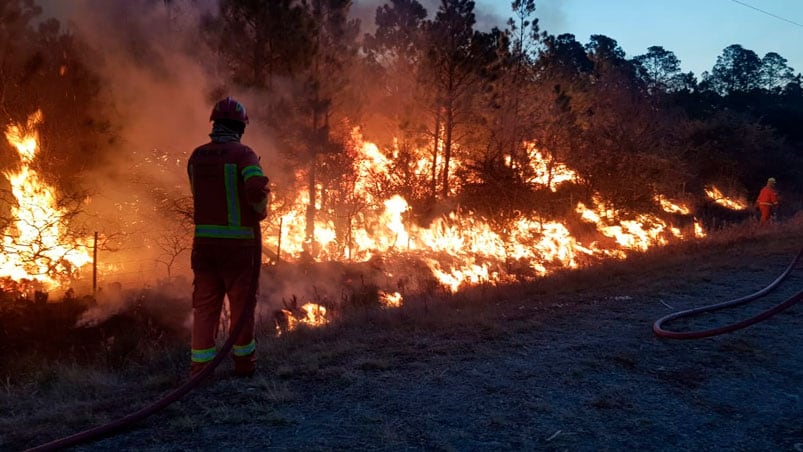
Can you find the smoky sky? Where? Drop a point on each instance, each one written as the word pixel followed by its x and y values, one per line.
pixel 156 94
pixel 365 11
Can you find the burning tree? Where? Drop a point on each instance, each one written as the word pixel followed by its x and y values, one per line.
pixel 454 57
pixel 38 242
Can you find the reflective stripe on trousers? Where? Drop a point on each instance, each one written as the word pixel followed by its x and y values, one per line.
pixel 204 355
pixel 245 350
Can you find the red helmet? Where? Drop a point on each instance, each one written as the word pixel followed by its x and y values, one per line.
pixel 229 108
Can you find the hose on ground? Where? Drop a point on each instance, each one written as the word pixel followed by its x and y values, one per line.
pixel 137 416
pixel 659 330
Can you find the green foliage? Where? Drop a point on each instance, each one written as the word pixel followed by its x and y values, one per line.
pixel 737 70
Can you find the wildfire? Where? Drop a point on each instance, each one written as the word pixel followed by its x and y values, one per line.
pixel 547 171
pixel 390 300
pixel 725 201
pixel 458 248
pixel 637 234
pixel 309 314
pixel 671 207
pixel 461 248
pixel 34 244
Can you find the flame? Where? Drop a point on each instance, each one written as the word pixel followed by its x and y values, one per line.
pixel 699 232
pixel 309 314
pixel 34 243
pixel 461 248
pixel 671 207
pixel 390 300
pixel 725 201
pixel 546 170
pixel 639 234
pixel 315 314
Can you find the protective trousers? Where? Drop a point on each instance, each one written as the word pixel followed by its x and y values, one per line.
pixel 232 271
pixel 766 212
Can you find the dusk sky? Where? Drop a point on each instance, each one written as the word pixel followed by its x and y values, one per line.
pixel 695 30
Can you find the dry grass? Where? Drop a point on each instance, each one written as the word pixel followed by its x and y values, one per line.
pixel 42 399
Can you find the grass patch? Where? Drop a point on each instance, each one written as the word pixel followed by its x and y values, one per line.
pixel 42 397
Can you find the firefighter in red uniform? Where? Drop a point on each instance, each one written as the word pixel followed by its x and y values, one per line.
pixel 229 193
pixel 767 200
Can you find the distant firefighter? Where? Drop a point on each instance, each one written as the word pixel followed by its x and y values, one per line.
pixel 229 193
pixel 767 200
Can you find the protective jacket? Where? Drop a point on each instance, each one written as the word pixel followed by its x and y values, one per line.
pixel 229 192
pixel 768 197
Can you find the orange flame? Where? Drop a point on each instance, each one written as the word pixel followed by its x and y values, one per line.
pixel 309 314
pixel 725 201
pixel 33 244
pixel 461 248
pixel 671 207
pixel 639 234
pixel 390 300
pixel 547 171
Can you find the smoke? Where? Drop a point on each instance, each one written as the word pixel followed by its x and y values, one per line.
pixel 491 13
pixel 365 12
pixel 110 302
pixel 167 305
pixel 488 13
pixel 157 81
pixel 153 91
pixel 155 87
pixel 552 16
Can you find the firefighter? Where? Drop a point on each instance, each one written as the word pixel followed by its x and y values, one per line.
pixel 229 193
pixel 767 200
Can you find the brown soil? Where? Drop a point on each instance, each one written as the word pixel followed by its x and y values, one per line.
pixel 571 364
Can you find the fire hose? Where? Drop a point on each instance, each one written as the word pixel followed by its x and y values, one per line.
pixel 137 416
pixel 659 331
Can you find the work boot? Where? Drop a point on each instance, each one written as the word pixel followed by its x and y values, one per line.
pixel 244 366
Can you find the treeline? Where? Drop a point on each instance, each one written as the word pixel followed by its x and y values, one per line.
pixel 428 85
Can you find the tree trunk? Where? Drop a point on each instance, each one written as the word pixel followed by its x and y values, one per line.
pixel 434 187
pixel 310 217
pixel 314 143
pixel 447 148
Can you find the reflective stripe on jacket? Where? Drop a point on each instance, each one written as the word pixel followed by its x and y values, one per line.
pixel 229 192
